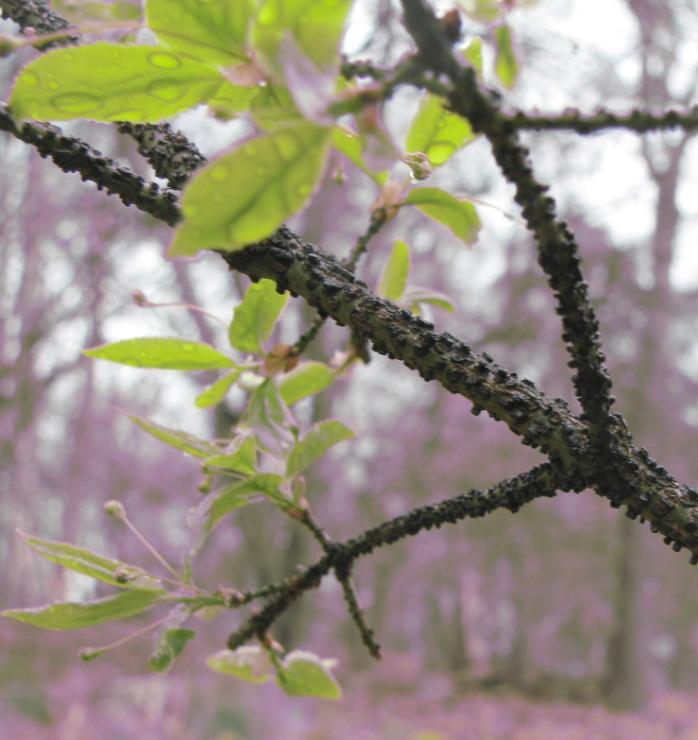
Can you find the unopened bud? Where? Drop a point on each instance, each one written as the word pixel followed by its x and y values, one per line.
pixel 88 653
pixel 115 509
pixel 419 164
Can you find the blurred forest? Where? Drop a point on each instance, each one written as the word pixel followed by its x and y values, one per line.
pixel 566 620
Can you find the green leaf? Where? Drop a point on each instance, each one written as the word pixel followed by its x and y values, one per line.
pixel 232 99
pixel 177 438
pixel 393 280
pixel 315 25
pixel 237 495
pixel 459 215
pixel 249 662
pixel 437 131
pixel 170 645
pixel 73 615
pixel 211 31
pixel 314 445
pixel 170 639
pixel 473 53
pixel 163 353
pixel 273 107
pixel 484 10
pixel 349 144
pixel 254 319
pixel 506 66
pixel 240 457
pixel 245 195
pixel 416 296
pixel 306 380
pixel 266 410
pixel 215 393
pixel 305 674
pixel 89 563
pixel 111 82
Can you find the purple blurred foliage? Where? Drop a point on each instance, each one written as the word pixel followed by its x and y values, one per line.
pixel 527 602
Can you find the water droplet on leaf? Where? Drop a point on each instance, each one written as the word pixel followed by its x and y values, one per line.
pixel 164 61
pixel 77 103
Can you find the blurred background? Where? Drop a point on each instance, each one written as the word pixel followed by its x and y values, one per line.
pixel 566 620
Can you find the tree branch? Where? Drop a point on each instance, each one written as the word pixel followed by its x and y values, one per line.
pixel 509 494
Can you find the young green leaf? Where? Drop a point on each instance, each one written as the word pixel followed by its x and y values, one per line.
pixel 111 82
pixel 473 53
pixel 348 143
pixel 273 107
pixel 215 393
pixel 314 445
pixel 437 131
pixel 237 495
pixel 254 319
pixel 89 563
pixel 306 380
pixel 211 31
pixel 484 10
pixel 230 99
pixel 177 438
pixel 249 662
pixel 315 26
pixel 73 615
pixel 266 411
pixel 280 172
pixel 239 457
pixel 163 353
pixel 415 297
pixel 305 674
pixel 393 280
pixel 168 647
pixel 506 66
pixel 459 215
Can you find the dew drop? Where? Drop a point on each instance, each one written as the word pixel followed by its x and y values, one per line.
pixel 77 103
pixel 53 85
pixel 30 79
pixel 166 90
pixel 287 145
pixel 164 61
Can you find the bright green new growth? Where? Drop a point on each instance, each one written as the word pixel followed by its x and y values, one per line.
pixel 180 440
pixel 459 215
pixel 315 444
pixel 216 392
pixel 437 132
pixel 164 353
pixel 214 32
pixel 254 319
pixel 304 674
pixel 82 560
pixel 315 25
pixel 111 82
pixel 393 280
pixel 73 615
pixel 306 380
pixel 245 195
pixel 506 66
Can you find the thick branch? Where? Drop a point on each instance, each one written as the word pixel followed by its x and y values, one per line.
pixel 74 155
